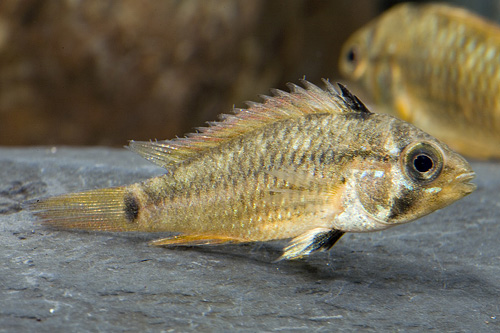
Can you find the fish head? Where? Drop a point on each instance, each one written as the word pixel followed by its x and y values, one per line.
pixel 433 176
pixel 420 175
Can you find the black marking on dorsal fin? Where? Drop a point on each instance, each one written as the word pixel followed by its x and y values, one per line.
pixel 352 101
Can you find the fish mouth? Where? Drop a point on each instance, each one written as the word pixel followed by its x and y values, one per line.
pixel 464 180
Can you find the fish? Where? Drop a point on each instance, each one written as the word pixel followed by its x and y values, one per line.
pixel 307 165
pixel 436 66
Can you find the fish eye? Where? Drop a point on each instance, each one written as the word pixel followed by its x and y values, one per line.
pixel 422 162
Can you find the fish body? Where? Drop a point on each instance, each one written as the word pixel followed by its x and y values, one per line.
pixel 436 66
pixel 309 165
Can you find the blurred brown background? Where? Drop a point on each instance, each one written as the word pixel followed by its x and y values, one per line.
pixel 99 72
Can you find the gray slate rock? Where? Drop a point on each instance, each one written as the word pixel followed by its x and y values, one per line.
pixel 441 272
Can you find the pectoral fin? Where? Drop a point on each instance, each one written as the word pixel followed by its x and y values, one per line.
pixel 193 240
pixel 318 239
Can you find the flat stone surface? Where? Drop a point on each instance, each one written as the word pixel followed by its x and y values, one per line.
pixel 441 272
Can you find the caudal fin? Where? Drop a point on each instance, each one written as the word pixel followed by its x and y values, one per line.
pixel 109 209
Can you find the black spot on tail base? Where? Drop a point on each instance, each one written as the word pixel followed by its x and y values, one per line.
pixel 131 207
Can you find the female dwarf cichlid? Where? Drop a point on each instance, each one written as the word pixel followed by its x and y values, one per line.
pixel 435 66
pixel 310 165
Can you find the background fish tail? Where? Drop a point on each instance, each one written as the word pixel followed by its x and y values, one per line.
pixel 104 209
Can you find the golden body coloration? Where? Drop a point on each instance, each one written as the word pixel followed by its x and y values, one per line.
pixel 435 66
pixel 309 165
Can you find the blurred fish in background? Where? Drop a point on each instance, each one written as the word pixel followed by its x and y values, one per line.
pixel 437 66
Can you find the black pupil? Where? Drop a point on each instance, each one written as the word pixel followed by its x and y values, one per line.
pixel 423 163
pixel 351 55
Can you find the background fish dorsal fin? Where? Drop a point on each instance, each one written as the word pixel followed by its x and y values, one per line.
pixel 282 105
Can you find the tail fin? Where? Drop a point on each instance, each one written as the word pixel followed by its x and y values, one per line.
pixel 109 209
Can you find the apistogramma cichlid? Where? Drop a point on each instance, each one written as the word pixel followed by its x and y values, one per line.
pixel 310 165
pixel 436 66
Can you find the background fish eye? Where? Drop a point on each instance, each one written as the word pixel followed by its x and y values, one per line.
pixel 352 55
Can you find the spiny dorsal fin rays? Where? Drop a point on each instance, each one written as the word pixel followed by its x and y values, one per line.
pixel 282 105
pixel 318 100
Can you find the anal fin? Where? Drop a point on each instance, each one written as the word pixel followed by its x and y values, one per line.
pixel 318 239
pixel 194 240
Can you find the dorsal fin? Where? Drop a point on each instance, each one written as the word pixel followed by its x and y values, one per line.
pixel 352 101
pixel 282 105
